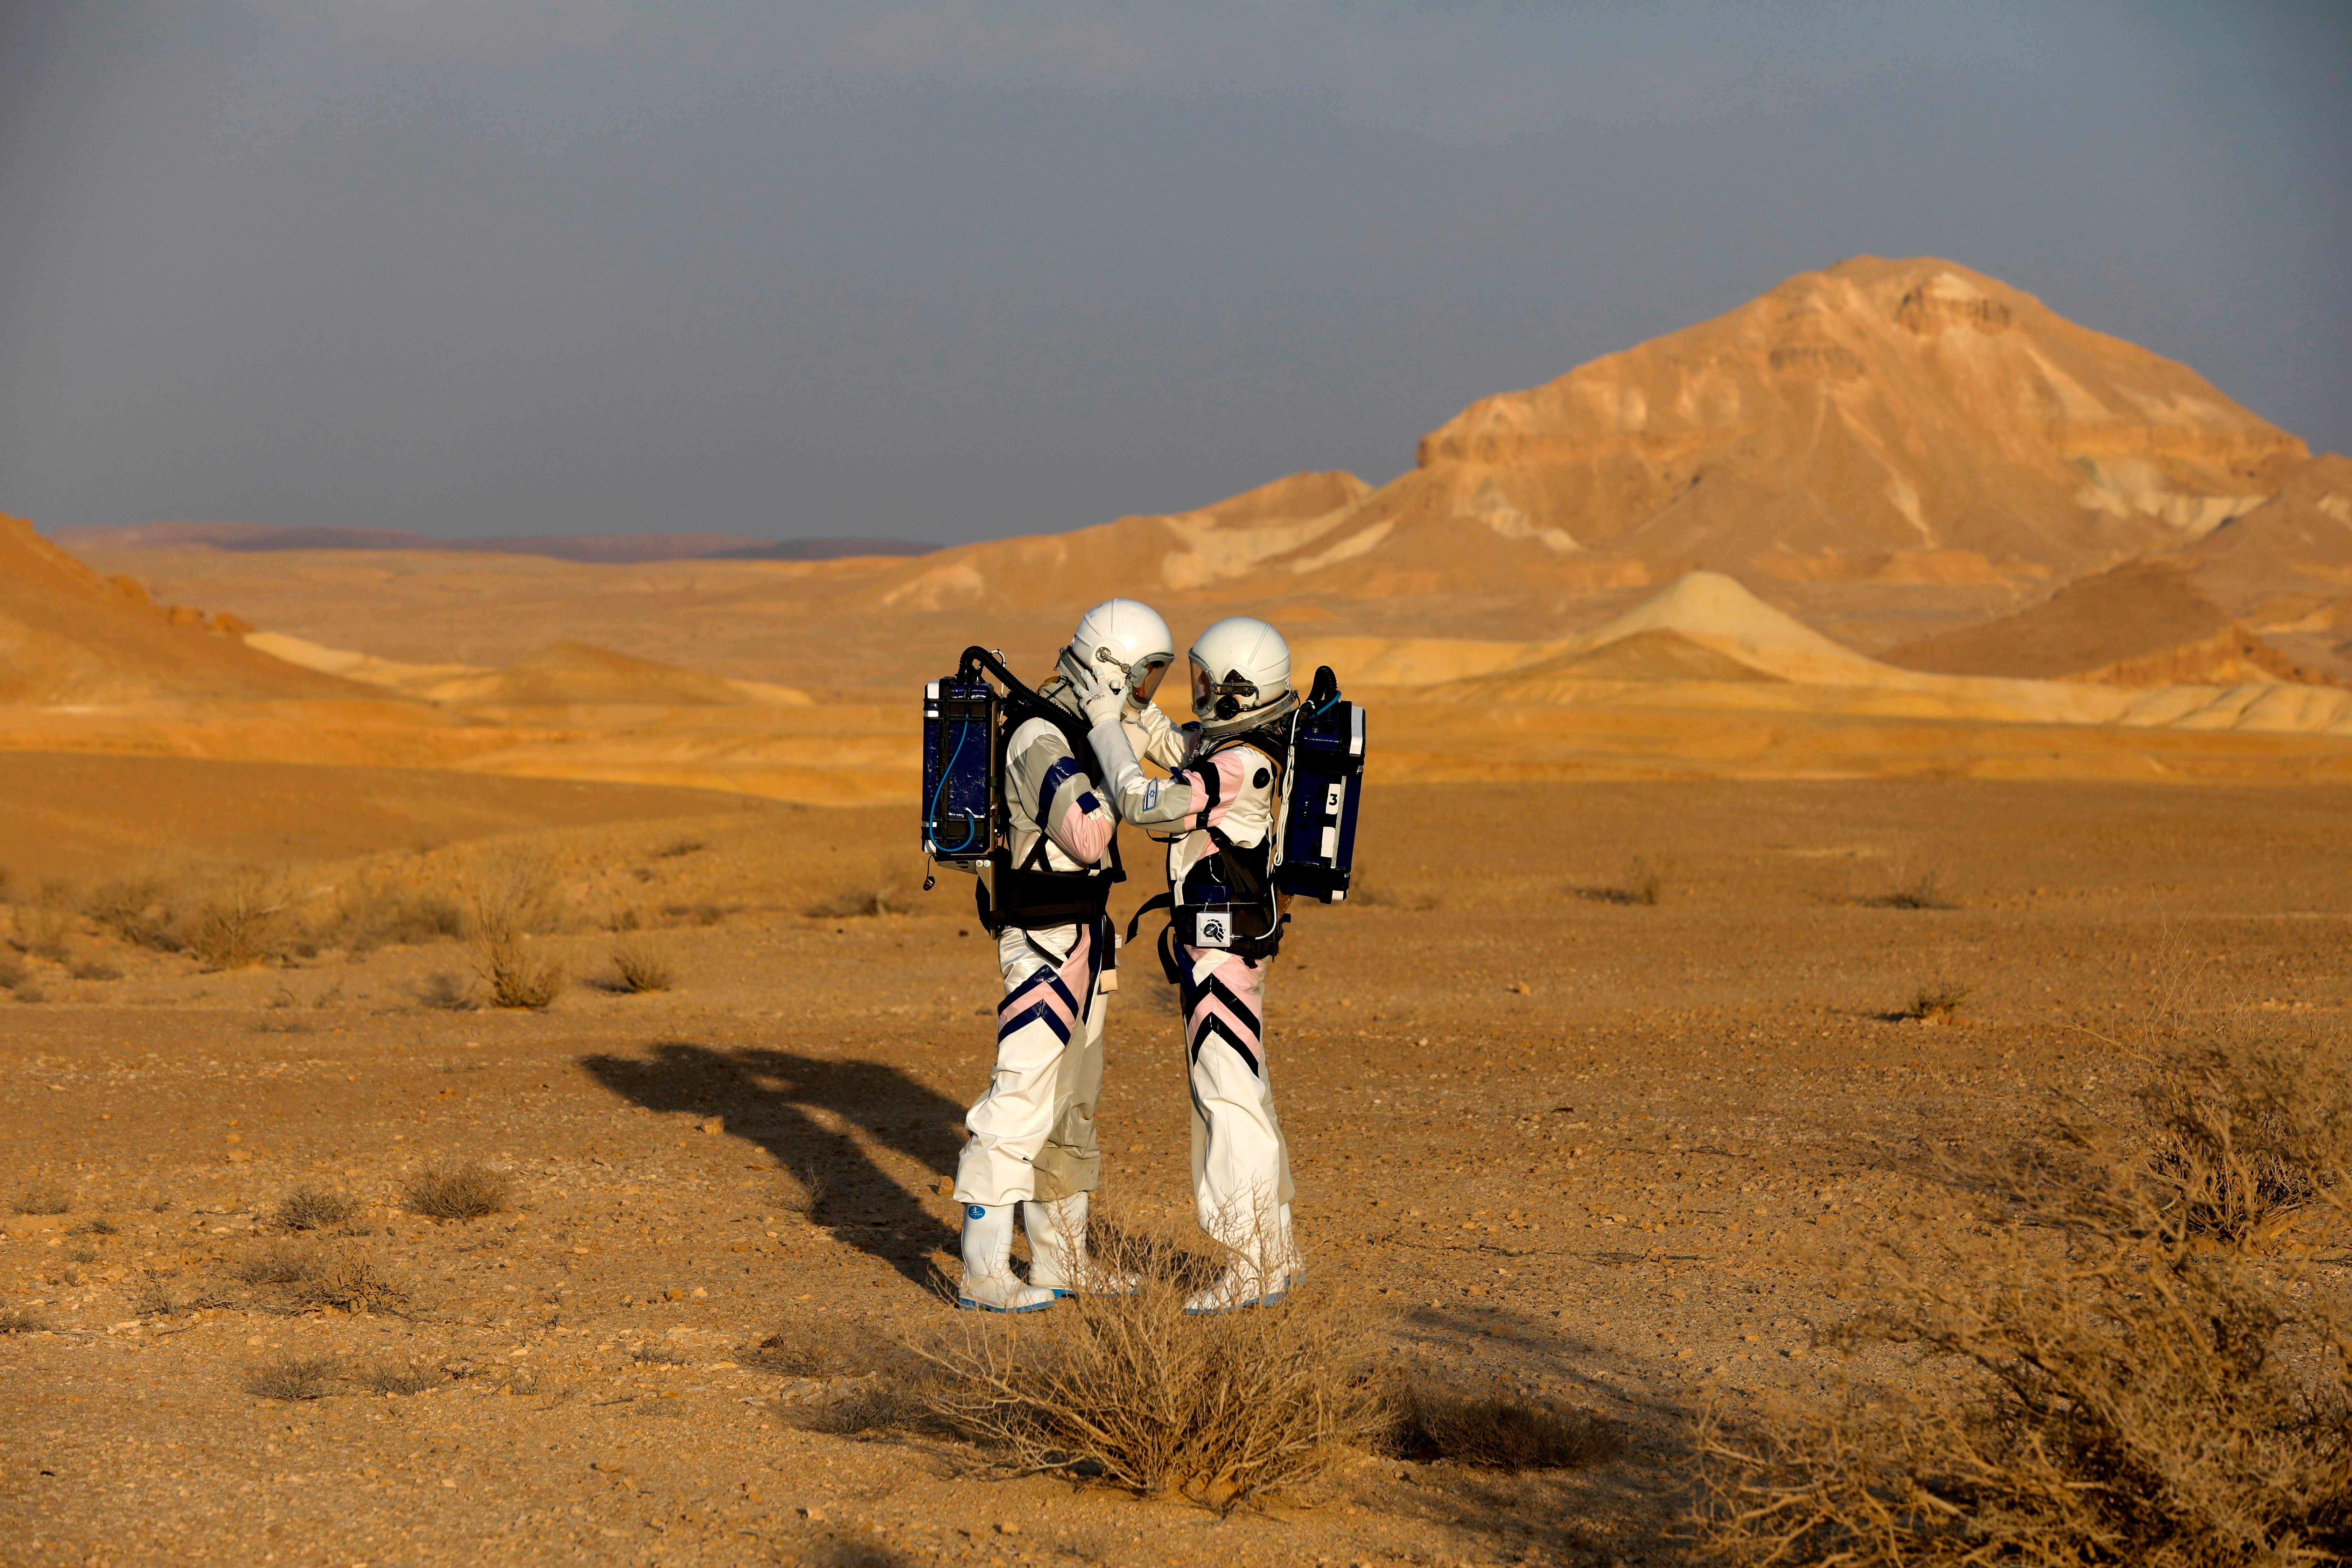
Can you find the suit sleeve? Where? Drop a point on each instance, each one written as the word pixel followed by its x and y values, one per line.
pixel 1197 796
pixel 1155 739
pixel 1069 811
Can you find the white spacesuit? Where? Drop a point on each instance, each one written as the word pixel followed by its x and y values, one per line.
pixel 1217 811
pixel 1032 1132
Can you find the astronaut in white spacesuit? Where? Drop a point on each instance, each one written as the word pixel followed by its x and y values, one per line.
pixel 1033 1131
pixel 1217 811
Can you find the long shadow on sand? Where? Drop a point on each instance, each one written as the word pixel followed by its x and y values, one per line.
pixel 805 1112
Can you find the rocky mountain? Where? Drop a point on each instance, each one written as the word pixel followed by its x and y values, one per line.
pixel 1893 422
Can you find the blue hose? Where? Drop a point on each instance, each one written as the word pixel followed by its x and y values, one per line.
pixel 947 773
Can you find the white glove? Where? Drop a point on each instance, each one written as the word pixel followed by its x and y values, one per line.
pixel 1098 697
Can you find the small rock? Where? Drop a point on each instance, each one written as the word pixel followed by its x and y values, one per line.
pixel 1008 1527
pixel 713 1124
pixel 813 1515
pixel 673 1294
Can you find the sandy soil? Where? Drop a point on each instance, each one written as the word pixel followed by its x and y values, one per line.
pixel 1599 1150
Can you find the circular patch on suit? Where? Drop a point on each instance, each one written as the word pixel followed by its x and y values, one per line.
pixel 1261 778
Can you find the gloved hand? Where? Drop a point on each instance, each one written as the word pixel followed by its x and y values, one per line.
pixel 1099 693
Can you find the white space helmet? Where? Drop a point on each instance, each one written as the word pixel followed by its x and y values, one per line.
pixel 1241 676
pixel 1130 639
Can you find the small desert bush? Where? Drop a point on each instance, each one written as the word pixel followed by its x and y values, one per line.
pixel 371 909
pixel 877 892
pixel 151 1297
pixel 1497 1431
pixel 1937 1002
pixel 92 969
pixel 350 1284
pixel 515 899
pixel 639 967
pixel 292 1377
pixel 1645 884
pixel 236 924
pixel 22 1320
pixel 307 1208
pixel 2131 1360
pixel 1219 1408
pixel 42 1197
pixel 41 927
pixel 1922 890
pixel 13 971
pixel 277 1265
pixel 402 1378
pixel 134 911
pixel 659 1355
pixel 458 1191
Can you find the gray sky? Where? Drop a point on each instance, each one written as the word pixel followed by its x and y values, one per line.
pixel 951 270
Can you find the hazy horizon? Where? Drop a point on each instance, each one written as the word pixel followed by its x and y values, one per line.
pixel 944 271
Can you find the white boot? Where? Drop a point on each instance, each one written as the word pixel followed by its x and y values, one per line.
pixel 1057 1251
pixel 1264 1270
pixel 989 1283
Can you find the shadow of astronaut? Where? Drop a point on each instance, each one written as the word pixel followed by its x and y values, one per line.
pixel 767 1097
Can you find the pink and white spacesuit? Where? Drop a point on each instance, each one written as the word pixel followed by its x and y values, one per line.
pixel 1217 811
pixel 1033 1130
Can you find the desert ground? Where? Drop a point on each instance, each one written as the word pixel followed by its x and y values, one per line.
pixel 1600 1153
pixel 482 1068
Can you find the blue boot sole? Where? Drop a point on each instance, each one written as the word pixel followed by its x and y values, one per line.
pixel 966 1304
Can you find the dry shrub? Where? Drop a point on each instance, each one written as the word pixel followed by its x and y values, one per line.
pixel 871 1383
pixel 307 1208
pixel 877 892
pixel 278 1266
pixel 2132 1362
pixel 371 909
pixel 134 911
pixel 42 1197
pixel 810 1348
pixel 659 1355
pixel 1645 884
pixel 515 899
pixel 1937 1002
pixel 151 1297
pixel 350 1284
pixel 402 1378
pixel 93 969
pixel 238 924
pixel 1219 1408
pixel 808 1176
pixel 458 1191
pixel 292 1377
pixel 1924 892
pixel 41 927
pixel 22 1320
pixel 1497 1431
pixel 13 971
pixel 101 1226
pixel 639 968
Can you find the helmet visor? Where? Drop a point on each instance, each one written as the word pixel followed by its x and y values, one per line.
pixel 1214 698
pixel 1148 675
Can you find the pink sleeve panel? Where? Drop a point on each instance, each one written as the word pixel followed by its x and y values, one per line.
pixel 1232 768
pixel 1083 836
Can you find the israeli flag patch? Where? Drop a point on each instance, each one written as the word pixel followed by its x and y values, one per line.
pixel 1150 794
